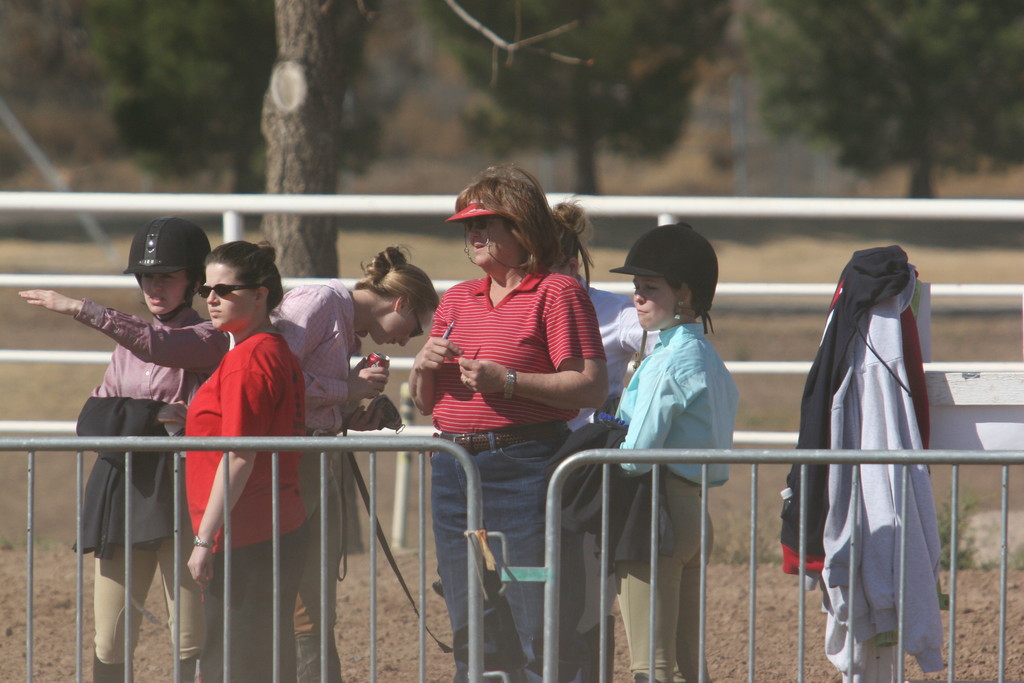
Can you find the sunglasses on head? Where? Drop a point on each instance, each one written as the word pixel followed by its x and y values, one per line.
pixel 222 290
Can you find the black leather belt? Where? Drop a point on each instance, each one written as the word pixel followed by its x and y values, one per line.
pixel 477 442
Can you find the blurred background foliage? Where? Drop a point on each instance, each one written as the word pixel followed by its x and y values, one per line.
pixel 713 97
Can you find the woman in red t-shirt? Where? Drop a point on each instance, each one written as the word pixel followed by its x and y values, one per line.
pixel 257 390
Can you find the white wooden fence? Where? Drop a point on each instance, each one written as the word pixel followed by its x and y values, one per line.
pixel 234 209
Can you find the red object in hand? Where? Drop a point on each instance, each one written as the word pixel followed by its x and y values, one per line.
pixel 377 360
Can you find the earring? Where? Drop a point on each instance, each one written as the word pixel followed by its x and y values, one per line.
pixel 679 305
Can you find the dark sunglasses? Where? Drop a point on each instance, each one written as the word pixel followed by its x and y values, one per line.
pixel 222 290
pixel 418 330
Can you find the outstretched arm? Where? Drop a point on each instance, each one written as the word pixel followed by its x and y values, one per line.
pixel 53 301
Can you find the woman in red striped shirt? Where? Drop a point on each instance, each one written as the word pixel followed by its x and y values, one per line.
pixel 511 357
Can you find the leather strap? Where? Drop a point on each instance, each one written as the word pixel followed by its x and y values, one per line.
pixel 476 442
pixel 386 547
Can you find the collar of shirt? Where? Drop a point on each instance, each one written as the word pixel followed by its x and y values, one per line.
pixel 665 337
pixel 529 283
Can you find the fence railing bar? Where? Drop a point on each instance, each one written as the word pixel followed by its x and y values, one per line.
pixel 150 203
pixel 752 586
pixel 373 566
pixel 954 553
pixel 736 367
pixel 68 427
pixel 655 575
pixel 392 443
pixel 726 290
pixel 178 537
pixel 851 625
pixel 227 602
pixel 129 563
pixel 606 492
pixel 705 552
pixel 902 601
pixel 30 551
pixel 422 563
pixel 1003 572
pixel 79 566
pixel 324 530
pixel 275 550
pixel 802 578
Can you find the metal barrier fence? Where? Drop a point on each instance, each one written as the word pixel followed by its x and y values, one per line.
pixel 901 458
pixel 550 573
pixel 276 445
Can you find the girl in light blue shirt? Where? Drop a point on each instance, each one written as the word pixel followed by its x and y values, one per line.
pixel 682 396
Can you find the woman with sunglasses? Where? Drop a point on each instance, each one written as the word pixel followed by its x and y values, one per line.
pixel 155 370
pixel 511 357
pixel 323 325
pixel 257 390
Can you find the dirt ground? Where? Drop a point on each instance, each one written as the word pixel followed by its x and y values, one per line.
pixel 776 649
pixel 745 330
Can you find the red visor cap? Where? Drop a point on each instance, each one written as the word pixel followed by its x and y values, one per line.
pixel 472 210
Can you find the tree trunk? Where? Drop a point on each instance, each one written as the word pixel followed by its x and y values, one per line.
pixel 302 113
pixel 586 143
pixel 921 177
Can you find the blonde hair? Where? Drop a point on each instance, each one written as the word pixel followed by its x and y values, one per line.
pixel 516 195
pixel 390 276
pixel 575 232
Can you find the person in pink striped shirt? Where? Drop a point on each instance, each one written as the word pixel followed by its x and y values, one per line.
pixel 511 358
pixel 323 325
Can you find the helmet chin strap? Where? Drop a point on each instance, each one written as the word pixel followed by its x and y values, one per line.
pixel 164 317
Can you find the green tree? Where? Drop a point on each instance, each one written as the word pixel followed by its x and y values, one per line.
pixel 632 96
pixel 186 80
pixel 928 83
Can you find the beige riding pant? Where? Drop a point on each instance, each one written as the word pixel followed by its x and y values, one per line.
pixel 109 604
pixel 677 619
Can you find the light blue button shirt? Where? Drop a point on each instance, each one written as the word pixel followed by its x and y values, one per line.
pixel 682 396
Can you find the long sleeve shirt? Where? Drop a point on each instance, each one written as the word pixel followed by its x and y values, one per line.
pixel 317 321
pixel 682 396
pixel 165 361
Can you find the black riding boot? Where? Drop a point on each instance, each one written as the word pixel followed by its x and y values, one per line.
pixel 106 673
pixel 642 678
pixel 307 659
pixel 187 670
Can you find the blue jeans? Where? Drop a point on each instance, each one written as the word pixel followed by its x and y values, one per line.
pixel 514 487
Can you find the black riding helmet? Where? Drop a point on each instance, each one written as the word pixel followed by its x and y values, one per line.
pixel 168 244
pixel 681 255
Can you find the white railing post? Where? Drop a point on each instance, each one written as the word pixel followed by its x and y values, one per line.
pixel 234 226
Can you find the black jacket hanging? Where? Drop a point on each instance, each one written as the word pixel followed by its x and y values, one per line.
pixel 871 276
pixel 103 517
